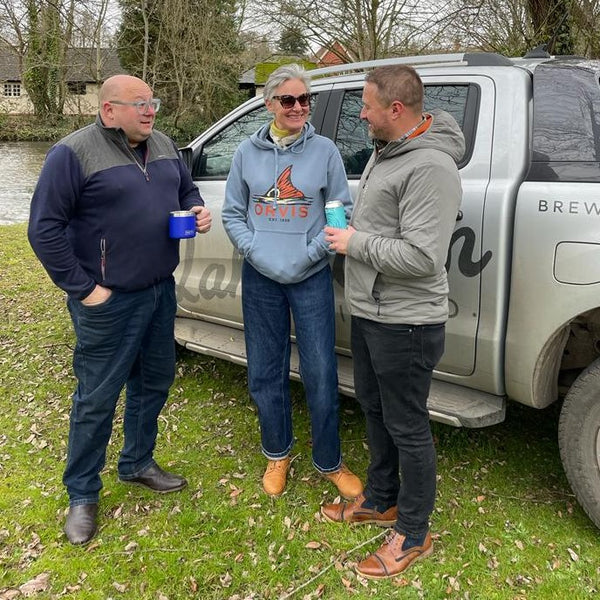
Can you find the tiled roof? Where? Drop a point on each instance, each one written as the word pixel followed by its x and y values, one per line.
pixel 81 64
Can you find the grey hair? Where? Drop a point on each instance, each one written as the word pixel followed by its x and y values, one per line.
pixel 283 74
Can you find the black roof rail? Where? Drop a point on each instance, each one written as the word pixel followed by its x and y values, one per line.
pixel 487 59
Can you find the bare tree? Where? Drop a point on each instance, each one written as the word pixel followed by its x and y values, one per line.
pixel 40 33
pixel 368 29
pixel 501 26
pixel 513 27
pixel 187 50
pixel 552 24
pixel 586 19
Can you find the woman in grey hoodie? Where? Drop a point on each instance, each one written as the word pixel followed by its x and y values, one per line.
pixel 274 214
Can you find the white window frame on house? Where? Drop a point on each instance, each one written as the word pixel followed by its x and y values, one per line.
pixel 12 90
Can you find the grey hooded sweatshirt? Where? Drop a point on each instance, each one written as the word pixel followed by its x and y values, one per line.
pixel 404 214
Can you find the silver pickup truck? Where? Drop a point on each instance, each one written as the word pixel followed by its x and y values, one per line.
pixel 524 260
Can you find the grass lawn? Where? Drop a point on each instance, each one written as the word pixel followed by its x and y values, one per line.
pixel 506 525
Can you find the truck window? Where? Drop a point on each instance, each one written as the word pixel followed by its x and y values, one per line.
pixel 352 136
pixel 215 156
pixel 213 159
pixel 566 124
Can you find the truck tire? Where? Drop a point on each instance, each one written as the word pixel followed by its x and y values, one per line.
pixel 579 439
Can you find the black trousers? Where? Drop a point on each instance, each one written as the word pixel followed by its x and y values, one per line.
pixel 393 365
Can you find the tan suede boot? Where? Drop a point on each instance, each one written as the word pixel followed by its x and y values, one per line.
pixel 275 476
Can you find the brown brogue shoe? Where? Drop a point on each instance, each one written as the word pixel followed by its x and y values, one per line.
pixel 353 512
pixel 275 476
pixel 347 483
pixel 80 526
pixel 390 559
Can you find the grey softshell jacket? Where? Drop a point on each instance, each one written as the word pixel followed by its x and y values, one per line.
pixel 404 214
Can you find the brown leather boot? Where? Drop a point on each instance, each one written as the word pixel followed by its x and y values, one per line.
pixel 390 559
pixel 275 476
pixel 353 512
pixel 347 483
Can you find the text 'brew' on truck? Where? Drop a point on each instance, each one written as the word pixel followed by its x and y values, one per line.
pixel 524 260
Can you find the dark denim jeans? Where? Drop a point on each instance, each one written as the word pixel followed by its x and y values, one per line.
pixel 126 341
pixel 267 306
pixel 393 366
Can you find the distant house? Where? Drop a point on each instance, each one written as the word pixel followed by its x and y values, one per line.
pixel 253 80
pixel 87 68
pixel 335 54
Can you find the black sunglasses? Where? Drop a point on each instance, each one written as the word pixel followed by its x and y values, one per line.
pixel 288 101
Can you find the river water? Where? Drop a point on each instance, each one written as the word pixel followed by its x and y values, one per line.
pixel 20 164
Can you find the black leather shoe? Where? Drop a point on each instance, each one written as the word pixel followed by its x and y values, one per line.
pixel 80 526
pixel 157 480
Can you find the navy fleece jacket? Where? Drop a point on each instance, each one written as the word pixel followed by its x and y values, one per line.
pixel 98 216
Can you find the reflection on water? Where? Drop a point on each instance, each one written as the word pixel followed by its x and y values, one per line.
pixel 20 164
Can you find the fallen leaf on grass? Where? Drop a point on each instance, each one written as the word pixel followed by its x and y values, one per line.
pixel 120 587
pixel 91 547
pixel 346 583
pixel 33 586
pixel 313 545
pixel 574 556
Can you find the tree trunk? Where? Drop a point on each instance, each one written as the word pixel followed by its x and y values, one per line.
pixel 552 23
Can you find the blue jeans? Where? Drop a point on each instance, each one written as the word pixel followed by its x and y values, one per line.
pixel 393 366
pixel 266 307
pixel 126 341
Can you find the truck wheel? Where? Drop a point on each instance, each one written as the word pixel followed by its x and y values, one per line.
pixel 579 439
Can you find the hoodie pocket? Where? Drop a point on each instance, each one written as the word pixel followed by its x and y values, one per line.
pixel 280 256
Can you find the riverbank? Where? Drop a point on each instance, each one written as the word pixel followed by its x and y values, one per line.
pixel 30 128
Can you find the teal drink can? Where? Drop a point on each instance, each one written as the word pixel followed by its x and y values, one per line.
pixel 335 214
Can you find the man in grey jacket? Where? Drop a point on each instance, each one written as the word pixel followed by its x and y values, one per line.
pixel 397 292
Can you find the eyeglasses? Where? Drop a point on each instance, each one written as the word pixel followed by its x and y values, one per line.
pixel 142 106
pixel 289 101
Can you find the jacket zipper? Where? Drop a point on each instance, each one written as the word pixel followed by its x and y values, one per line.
pixel 142 168
pixel 378 303
pixel 103 258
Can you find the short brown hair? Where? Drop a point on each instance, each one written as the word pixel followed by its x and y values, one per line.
pixel 398 82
